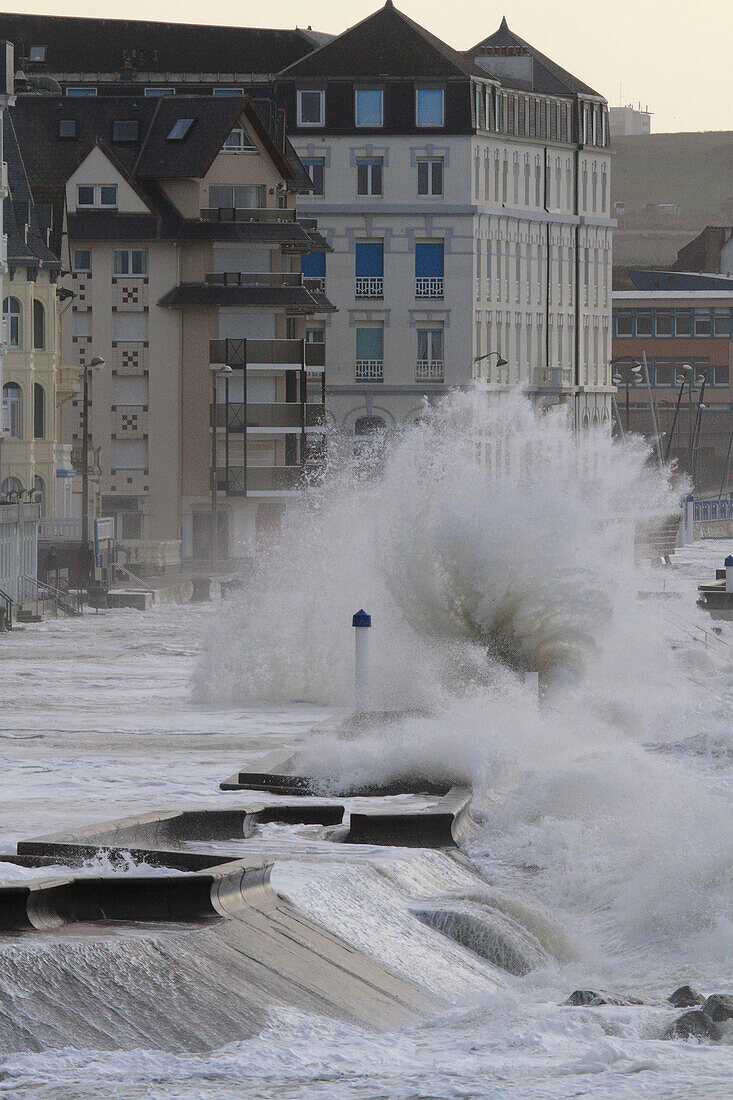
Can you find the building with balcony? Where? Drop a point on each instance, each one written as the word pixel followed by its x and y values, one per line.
pixel 466 197
pixel 35 461
pixel 7 83
pixel 176 220
pixel 686 336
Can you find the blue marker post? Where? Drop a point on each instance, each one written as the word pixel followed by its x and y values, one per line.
pixel 729 573
pixel 361 623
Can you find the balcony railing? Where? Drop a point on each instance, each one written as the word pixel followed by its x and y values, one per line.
pixel 270 354
pixel 429 370
pixel 315 282
pixel 369 286
pixel 553 378
pixel 246 214
pixel 275 415
pixel 369 370
pixel 248 278
pixel 242 480
pixel 429 286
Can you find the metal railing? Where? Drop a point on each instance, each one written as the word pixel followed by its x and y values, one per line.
pixel 246 214
pixel 369 286
pixel 553 378
pixel 429 370
pixel 254 278
pixel 138 580
pixel 429 286
pixel 713 508
pixel 30 588
pixel 6 611
pixel 369 370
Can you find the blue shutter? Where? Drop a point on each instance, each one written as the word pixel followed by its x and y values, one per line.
pixel 429 260
pixel 313 265
pixel 369 343
pixel 369 260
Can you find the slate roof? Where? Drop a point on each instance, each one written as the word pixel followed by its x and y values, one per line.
pixel 549 78
pixel 50 161
pixel 26 247
pixel 385 44
pixel 212 294
pixel 75 44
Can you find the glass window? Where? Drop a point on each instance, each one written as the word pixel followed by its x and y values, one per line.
pixel 39 325
pixel 11 488
pixel 67 127
pixel 644 323
pixel 369 176
pixel 625 322
pixel 429 109
pixel 13 410
pixel 180 128
pixel 430 176
pixel 84 195
pixel 159 91
pixel 82 259
pixel 37 53
pixel 242 197
pixel 237 142
pixel 683 322
pixel 39 411
pixel 227 91
pixel 125 130
pixel 311 106
pixel 315 167
pixel 430 344
pixel 39 488
pixel 369 343
pixel 81 91
pixel 664 370
pixel 12 320
pixel 108 194
pixel 132 261
pixel 722 374
pixel 721 322
pixel 702 322
pixel 369 109
pixel 664 322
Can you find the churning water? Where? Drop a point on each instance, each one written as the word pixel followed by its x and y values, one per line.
pixel 485 541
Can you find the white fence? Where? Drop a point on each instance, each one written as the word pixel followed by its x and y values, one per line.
pixel 18 545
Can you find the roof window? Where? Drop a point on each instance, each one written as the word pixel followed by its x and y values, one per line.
pixel 37 53
pixel 67 127
pixel 179 129
pixel 125 129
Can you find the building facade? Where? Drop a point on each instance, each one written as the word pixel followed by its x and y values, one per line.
pixel 467 207
pixel 686 336
pixel 177 222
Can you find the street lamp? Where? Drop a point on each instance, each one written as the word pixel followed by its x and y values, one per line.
pixel 216 371
pixel 686 372
pixel 96 364
pixel 500 362
pixel 631 374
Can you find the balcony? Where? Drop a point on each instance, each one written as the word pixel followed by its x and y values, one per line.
pixel 278 416
pixel 267 354
pixel 369 286
pixel 246 214
pixel 552 379
pixel 261 480
pixel 429 286
pixel 429 370
pixel 369 370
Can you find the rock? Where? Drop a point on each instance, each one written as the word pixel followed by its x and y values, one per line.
pixel 686 997
pixel 693 1025
pixel 719 1007
pixel 589 998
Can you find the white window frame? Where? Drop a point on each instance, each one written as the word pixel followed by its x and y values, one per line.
pixel 299 111
pixel 97 203
pixel 245 144
pixel 79 252
pixel 430 161
pixel 129 253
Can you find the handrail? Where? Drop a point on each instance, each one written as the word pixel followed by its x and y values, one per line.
pixel 7 604
pixel 137 580
pixel 64 600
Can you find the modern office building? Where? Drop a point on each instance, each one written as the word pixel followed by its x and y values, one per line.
pixel 466 200
pixel 175 219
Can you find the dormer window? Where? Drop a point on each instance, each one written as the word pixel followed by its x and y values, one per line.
pixel 369 107
pixel 102 195
pixel 429 107
pixel 238 142
pixel 125 130
pixel 311 107
pixel 37 53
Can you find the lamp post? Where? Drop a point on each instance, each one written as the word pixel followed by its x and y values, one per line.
pixel 216 370
pixel 96 363
pixel 630 374
pixel 500 362
pixel 686 370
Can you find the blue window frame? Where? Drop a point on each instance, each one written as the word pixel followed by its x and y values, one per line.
pixel 369 106
pixel 313 265
pixel 429 107
pixel 369 259
pixel 429 260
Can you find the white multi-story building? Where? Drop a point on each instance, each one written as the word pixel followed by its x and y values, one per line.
pixel 466 200
pixel 7 98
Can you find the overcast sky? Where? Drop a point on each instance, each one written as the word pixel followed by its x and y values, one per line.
pixel 671 55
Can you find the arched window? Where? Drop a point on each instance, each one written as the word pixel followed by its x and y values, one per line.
pixel 369 426
pixel 11 488
pixel 39 325
pixel 39 489
pixel 39 411
pixel 13 410
pixel 12 321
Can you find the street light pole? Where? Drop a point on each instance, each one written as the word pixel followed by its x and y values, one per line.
pixel 97 361
pixel 500 362
pixel 216 370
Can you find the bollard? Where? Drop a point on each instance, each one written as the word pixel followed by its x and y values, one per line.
pixel 729 573
pixel 689 519
pixel 361 623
